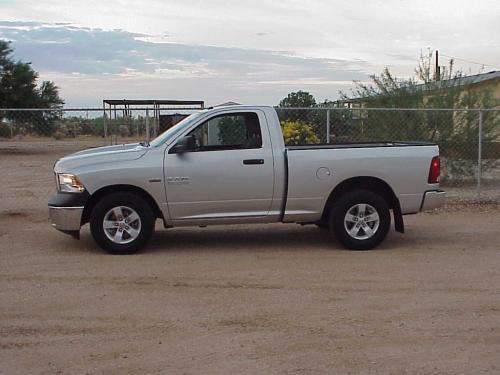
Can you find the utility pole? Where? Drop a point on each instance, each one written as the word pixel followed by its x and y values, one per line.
pixel 438 70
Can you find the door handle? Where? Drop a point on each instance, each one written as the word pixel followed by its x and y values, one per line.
pixel 253 161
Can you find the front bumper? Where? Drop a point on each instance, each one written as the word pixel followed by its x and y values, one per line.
pixel 66 219
pixel 66 210
pixel 433 199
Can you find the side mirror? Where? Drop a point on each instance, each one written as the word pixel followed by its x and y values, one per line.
pixel 186 143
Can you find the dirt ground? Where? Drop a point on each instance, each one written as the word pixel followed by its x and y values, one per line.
pixel 262 299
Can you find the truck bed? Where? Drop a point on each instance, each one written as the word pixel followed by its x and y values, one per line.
pixel 404 166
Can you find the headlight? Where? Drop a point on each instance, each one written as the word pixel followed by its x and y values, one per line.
pixel 69 183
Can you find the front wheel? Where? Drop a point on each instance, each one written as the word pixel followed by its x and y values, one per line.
pixel 122 223
pixel 360 219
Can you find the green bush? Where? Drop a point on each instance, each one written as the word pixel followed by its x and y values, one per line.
pixel 298 133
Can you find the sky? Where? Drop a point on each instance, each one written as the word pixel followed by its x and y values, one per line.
pixel 251 52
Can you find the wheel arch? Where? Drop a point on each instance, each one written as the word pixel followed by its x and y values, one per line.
pixel 374 184
pixel 110 189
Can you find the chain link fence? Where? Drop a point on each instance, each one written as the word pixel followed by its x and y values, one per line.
pixel 32 140
pixel 110 127
pixel 469 139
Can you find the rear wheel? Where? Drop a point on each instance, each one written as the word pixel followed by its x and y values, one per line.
pixel 122 223
pixel 360 219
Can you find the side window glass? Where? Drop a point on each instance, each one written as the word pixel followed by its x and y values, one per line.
pixel 229 132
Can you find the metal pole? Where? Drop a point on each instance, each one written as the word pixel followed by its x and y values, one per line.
pixel 105 125
pixel 147 124
pixel 327 126
pixel 479 155
pixel 110 125
pixel 154 118
pixel 157 120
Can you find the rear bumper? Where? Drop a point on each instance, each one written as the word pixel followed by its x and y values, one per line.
pixel 433 199
pixel 66 219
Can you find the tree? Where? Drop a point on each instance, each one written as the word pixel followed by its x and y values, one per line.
pixel 5 51
pixel 232 130
pixel 17 83
pixel 18 89
pixel 299 99
pixel 292 110
pixel 455 132
pixel 48 97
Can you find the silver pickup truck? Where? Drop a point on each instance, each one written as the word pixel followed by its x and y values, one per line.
pixel 229 165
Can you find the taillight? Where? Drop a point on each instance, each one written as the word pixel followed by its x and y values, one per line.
pixel 434 171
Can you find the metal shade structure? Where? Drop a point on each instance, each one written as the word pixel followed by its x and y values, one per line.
pixel 150 106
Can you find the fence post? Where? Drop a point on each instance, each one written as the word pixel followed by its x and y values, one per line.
pixel 327 126
pixel 147 124
pixel 105 125
pixel 479 155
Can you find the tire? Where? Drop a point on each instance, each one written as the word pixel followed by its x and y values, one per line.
pixel 360 220
pixel 122 223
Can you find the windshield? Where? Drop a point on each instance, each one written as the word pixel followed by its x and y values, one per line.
pixel 177 128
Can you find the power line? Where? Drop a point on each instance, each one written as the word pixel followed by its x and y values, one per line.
pixel 470 61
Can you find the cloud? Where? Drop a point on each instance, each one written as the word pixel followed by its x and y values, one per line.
pixel 246 49
pixel 72 54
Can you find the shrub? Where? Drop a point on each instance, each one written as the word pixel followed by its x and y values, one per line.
pixel 85 128
pixel 66 128
pixel 298 133
pixel 124 130
pixel 5 130
pixel 58 135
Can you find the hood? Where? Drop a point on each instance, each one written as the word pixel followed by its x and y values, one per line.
pixel 99 155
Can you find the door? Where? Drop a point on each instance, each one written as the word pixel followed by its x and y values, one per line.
pixel 228 174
